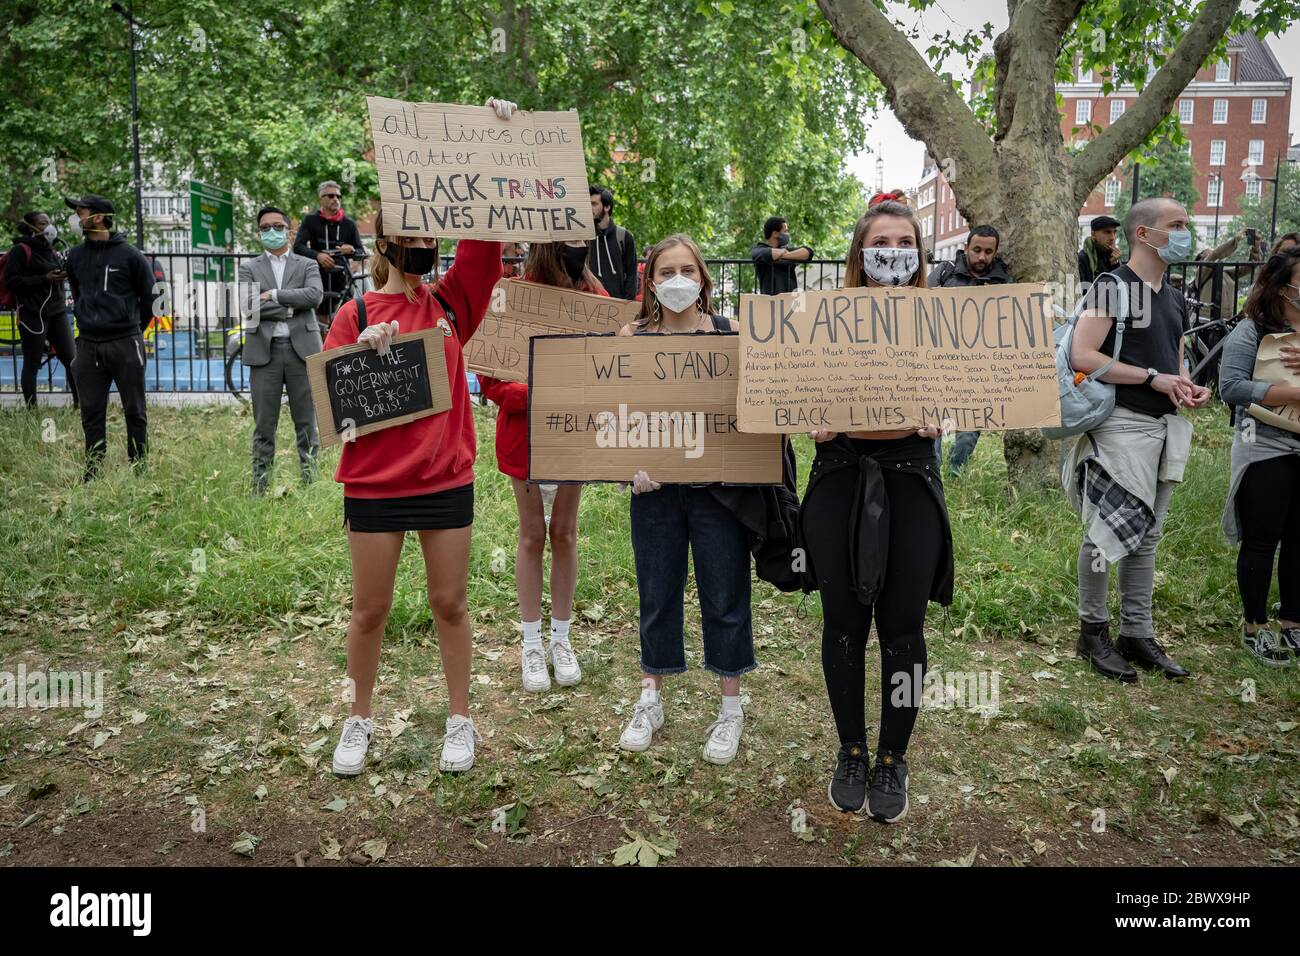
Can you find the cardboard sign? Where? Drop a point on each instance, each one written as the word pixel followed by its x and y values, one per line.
pixel 463 172
pixel 1269 368
pixel 970 359
pixel 357 391
pixel 603 407
pixel 519 310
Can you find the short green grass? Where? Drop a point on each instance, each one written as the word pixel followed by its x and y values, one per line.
pixel 220 620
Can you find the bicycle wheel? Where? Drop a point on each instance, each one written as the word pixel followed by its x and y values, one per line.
pixel 234 349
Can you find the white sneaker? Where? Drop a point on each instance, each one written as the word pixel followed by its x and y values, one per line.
pixel 458 744
pixel 565 662
pixel 350 754
pixel 724 738
pixel 533 661
pixel 647 717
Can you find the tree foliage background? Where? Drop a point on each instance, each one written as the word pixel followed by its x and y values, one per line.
pixel 723 113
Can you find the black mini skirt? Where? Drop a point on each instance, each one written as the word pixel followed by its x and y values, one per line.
pixel 453 508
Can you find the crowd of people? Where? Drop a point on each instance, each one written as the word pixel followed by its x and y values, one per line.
pixel 872 526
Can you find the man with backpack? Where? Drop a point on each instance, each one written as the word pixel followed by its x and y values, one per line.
pixel 1120 474
pixel 31 283
pixel 612 254
pixel 112 299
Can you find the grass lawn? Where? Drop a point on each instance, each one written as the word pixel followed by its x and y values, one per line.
pixel 220 621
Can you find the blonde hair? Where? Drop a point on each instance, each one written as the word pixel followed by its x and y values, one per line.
pixel 854 274
pixel 380 267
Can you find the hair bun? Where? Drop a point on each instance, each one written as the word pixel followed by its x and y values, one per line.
pixel 885 197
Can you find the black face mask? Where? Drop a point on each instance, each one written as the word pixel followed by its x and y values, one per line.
pixel 575 261
pixel 418 260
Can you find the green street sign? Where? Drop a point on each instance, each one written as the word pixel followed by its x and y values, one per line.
pixel 212 231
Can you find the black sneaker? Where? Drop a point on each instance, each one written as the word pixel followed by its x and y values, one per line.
pixel 1266 648
pixel 848 787
pixel 1291 640
pixel 888 800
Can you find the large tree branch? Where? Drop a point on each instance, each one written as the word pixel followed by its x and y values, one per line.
pixel 1025 62
pixel 1104 153
pixel 927 106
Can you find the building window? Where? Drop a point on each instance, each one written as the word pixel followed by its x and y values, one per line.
pixel 1112 191
pixel 1258 111
pixel 1083 112
pixel 1085 76
pixel 1186 110
pixel 1214 192
pixel 1220 111
pixel 1256 154
pixel 1218 150
pixel 1223 71
pixel 176 241
pixel 1117 109
pixel 1254 187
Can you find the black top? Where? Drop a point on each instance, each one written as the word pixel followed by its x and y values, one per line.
pixel 775 277
pixel 112 288
pixel 317 235
pixel 1153 334
pixel 35 296
pixel 611 256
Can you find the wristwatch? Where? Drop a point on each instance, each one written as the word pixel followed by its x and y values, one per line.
pixel 1151 377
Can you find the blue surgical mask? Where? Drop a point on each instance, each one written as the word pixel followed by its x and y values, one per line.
pixel 1179 246
pixel 274 238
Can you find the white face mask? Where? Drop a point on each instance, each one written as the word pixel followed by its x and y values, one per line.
pixel 1296 301
pixel 74 224
pixel 678 293
pixel 890 265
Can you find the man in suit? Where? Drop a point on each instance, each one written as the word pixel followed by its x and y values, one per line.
pixel 279 293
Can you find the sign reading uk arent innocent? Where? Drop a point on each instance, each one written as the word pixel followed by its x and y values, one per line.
pixel 972 359
pixel 465 173
pixel 519 310
pixel 357 391
pixel 603 407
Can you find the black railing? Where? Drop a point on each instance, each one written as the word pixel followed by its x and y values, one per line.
pixel 190 343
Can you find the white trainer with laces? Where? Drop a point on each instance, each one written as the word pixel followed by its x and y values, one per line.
pixel 458 744
pixel 647 717
pixel 723 741
pixel 350 754
pixel 565 662
pixel 533 661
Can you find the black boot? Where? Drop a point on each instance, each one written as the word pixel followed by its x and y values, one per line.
pixel 1147 653
pixel 1095 647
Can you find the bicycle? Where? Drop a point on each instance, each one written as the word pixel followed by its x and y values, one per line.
pixel 1203 345
pixel 353 286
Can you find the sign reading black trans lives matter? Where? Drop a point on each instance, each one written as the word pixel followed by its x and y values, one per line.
pixel 465 173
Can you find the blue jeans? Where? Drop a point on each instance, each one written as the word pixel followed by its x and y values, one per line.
pixel 664 524
pixel 963 446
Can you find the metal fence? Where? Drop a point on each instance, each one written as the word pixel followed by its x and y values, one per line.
pixel 193 343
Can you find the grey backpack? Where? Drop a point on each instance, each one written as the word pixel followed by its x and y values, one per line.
pixel 1090 402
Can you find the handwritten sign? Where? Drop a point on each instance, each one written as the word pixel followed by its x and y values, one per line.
pixel 603 407
pixel 463 172
pixel 973 359
pixel 357 391
pixel 1269 368
pixel 519 310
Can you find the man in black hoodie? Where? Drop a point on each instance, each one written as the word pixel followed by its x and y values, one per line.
pixel 774 259
pixel 112 299
pixel 612 254
pixel 325 231
pixel 976 265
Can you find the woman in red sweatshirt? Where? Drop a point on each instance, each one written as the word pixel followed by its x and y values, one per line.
pixel 414 477
pixel 562 264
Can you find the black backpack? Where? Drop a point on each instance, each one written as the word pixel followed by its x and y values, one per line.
pixel 361 311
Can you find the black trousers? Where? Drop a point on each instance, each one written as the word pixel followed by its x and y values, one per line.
pixel 34 333
pixel 97 367
pixel 1268 509
pixel 915 547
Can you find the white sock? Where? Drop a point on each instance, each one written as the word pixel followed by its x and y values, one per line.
pixel 731 705
pixel 648 692
pixel 559 631
pixel 533 633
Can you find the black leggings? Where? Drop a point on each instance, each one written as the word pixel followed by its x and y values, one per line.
pixel 58 331
pixel 1268 510
pixel 915 546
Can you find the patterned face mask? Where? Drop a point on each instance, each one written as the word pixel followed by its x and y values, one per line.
pixel 890 266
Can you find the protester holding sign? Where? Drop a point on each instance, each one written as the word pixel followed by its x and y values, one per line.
pixel 667 519
pixel 879 546
pixel 1263 507
pixel 1120 475
pixel 562 264
pixel 417 476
